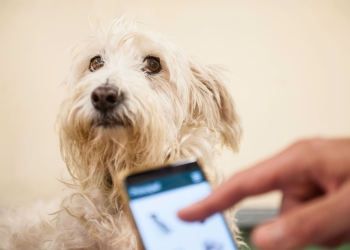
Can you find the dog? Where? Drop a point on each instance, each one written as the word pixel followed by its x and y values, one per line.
pixel 134 100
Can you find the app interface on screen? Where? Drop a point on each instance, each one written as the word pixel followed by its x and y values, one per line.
pixel 154 204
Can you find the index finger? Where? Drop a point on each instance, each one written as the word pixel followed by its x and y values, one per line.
pixel 259 179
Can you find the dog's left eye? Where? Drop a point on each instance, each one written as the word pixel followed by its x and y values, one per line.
pixel 96 63
pixel 152 65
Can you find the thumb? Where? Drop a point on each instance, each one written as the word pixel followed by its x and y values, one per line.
pixel 315 222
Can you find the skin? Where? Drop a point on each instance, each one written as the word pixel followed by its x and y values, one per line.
pixel 314 177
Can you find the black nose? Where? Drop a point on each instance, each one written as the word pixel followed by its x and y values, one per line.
pixel 105 97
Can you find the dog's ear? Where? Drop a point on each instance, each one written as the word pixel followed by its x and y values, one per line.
pixel 214 102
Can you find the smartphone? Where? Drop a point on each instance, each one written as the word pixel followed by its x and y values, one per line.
pixel 154 197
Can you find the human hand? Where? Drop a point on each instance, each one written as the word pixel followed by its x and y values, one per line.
pixel 314 177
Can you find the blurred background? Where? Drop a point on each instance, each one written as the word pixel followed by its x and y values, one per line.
pixel 288 62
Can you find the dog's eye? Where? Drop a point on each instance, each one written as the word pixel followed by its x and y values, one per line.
pixel 96 63
pixel 152 65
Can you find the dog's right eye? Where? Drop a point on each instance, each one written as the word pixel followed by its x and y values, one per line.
pixel 152 65
pixel 96 63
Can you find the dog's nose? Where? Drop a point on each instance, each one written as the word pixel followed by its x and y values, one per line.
pixel 104 97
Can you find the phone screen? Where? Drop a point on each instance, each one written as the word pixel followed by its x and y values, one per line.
pixel 156 196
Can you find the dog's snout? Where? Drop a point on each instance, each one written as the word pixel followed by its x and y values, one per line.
pixel 105 97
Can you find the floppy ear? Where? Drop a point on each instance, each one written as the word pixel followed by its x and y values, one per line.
pixel 214 103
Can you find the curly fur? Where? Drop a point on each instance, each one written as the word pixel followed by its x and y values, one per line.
pixel 185 110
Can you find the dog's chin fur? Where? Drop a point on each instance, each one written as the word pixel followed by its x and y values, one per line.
pixel 184 110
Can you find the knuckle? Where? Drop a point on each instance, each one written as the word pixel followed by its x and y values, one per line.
pixel 310 150
pixel 310 144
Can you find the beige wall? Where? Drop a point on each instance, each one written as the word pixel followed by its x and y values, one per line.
pixel 289 64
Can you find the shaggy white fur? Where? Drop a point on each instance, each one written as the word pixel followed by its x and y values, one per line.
pixel 134 100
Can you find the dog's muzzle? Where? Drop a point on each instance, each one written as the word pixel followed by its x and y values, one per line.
pixel 106 100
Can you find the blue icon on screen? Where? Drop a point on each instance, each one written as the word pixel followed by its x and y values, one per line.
pixel 196 176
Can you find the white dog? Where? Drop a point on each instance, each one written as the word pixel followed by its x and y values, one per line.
pixel 134 100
